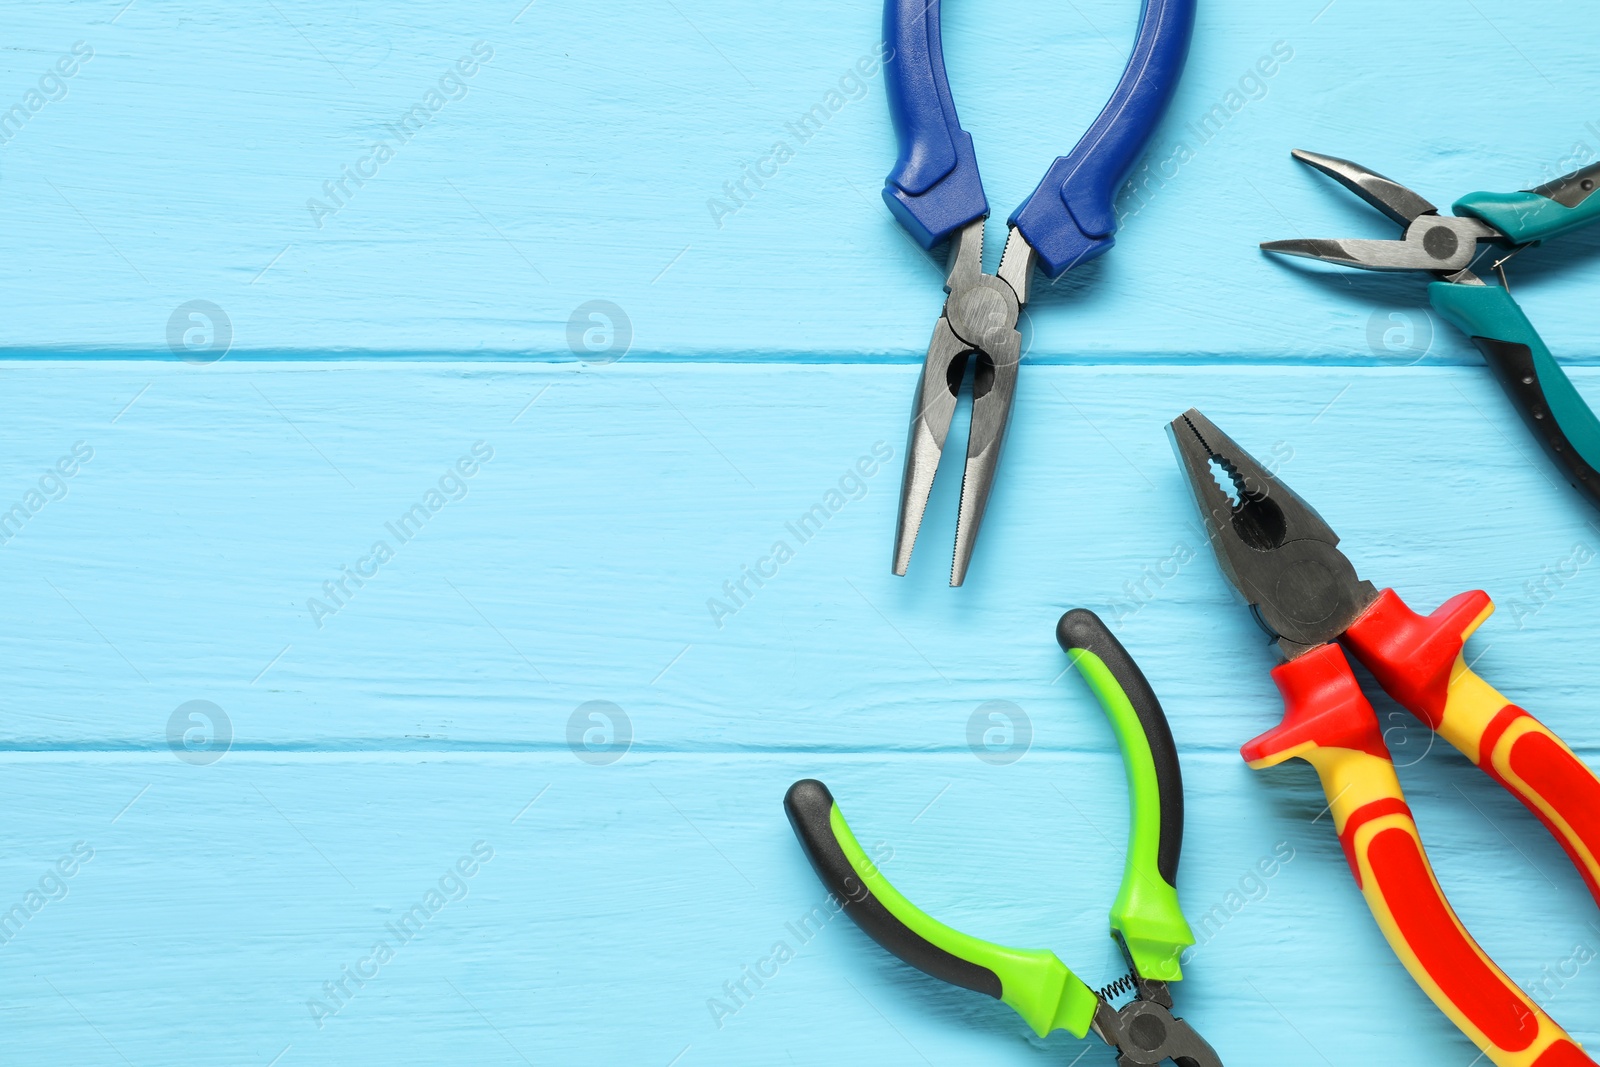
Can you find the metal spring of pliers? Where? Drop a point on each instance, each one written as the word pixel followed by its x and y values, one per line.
pixel 936 193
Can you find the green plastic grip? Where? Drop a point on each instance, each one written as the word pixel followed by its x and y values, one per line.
pixel 1536 214
pixel 1145 916
pixel 1541 390
pixel 1034 982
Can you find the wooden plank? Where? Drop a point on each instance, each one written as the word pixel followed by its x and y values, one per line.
pixel 580 161
pixel 641 862
pixel 615 908
pixel 188 558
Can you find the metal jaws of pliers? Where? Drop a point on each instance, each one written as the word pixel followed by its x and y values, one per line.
pixel 979 319
pixel 1445 248
pixel 935 191
pixel 1443 245
pixel 1145 1032
pixel 1273 547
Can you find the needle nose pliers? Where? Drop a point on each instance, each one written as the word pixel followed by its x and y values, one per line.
pixel 1145 919
pixel 1283 560
pixel 936 193
pixel 1447 246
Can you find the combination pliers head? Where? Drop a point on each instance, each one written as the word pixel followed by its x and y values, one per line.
pixel 1273 547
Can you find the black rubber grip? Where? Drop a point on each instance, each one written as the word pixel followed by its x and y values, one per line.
pixel 809 806
pixel 1513 364
pixel 1082 629
pixel 1570 190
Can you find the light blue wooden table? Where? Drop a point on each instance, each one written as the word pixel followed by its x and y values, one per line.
pixel 594 883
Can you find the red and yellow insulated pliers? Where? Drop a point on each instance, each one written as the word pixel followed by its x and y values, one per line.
pixel 1283 560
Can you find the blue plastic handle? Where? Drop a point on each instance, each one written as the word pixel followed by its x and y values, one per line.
pixel 1070 218
pixel 934 188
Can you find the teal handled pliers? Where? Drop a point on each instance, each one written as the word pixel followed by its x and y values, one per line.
pixel 1447 246
pixel 1145 919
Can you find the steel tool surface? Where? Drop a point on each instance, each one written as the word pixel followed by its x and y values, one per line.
pixel 1499 226
pixel 1284 561
pixel 936 193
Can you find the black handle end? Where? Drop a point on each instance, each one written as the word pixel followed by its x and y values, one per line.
pixel 809 805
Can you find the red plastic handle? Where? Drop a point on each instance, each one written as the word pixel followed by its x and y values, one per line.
pixel 1418 661
pixel 1329 723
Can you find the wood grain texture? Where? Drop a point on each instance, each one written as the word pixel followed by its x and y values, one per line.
pixel 579 163
pixel 429 710
pixel 443 703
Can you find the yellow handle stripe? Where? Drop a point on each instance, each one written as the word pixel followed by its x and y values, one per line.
pixel 1546 775
pixel 1420 661
pixel 1386 854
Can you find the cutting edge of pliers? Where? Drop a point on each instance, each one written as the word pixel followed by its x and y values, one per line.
pixel 1281 558
pixel 979 319
pixel 1273 547
pixel 936 193
pixel 1447 247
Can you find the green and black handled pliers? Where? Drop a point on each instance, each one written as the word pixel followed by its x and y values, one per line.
pixel 1447 247
pixel 1145 919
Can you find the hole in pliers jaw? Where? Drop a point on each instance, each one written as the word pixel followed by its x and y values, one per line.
pixel 954 371
pixel 1259 522
pixel 1256 518
pixel 982 375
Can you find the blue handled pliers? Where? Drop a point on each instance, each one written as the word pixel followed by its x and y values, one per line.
pixel 936 193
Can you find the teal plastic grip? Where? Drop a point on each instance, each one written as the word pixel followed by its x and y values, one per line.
pixel 1528 217
pixel 1541 390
